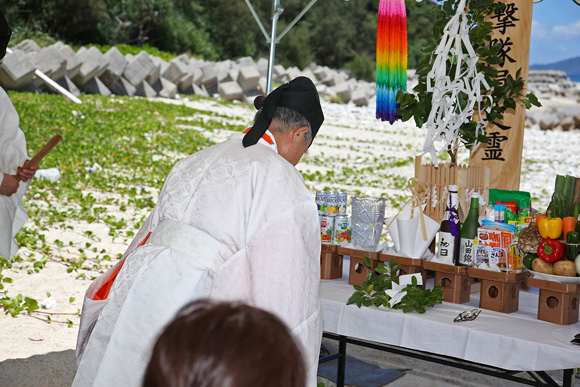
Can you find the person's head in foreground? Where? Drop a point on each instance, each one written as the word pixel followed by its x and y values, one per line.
pixel 293 115
pixel 222 344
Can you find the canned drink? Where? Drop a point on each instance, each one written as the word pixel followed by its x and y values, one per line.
pixel 349 233
pixel 331 203
pixel 340 229
pixel 326 228
pixel 342 199
pixel 320 202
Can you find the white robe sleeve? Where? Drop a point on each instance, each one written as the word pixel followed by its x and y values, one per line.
pixel 12 155
pixel 280 272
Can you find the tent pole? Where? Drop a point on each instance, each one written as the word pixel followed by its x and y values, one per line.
pixel 276 12
pixel 253 11
pixel 312 2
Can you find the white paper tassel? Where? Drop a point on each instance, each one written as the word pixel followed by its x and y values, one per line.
pixel 446 114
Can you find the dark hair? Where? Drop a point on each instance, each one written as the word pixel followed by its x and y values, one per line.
pixel 225 345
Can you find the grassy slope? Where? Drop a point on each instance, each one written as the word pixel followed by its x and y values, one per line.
pixel 135 141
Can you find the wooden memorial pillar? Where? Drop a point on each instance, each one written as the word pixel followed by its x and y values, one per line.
pixel 503 152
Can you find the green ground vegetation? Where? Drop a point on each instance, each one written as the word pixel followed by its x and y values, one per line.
pixel 135 141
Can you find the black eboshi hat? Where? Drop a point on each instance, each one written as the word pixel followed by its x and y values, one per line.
pixel 5 33
pixel 300 94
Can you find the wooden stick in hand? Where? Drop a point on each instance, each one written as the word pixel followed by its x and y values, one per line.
pixel 41 154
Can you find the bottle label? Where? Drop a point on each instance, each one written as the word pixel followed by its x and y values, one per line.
pixel 446 246
pixel 466 252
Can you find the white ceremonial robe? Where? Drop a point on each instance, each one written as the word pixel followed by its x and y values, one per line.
pixel 13 154
pixel 231 224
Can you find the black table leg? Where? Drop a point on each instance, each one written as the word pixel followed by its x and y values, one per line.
pixel 341 361
pixel 568 376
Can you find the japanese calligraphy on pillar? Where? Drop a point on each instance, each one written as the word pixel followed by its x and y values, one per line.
pixel 503 152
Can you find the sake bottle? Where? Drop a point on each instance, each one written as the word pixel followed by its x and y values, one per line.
pixel 449 232
pixel 469 233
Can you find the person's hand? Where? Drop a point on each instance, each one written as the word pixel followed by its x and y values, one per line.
pixel 9 185
pixel 27 173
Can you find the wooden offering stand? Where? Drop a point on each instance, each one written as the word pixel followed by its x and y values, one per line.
pixel 358 271
pixel 330 262
pixel 454 279
pixel 558 302
pixel 408 265
pixel 499 291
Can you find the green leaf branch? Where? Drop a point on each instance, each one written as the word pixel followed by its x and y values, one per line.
pixel 381 278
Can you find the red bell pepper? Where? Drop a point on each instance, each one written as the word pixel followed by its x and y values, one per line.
pixel 550 250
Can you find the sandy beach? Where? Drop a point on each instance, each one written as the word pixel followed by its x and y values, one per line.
pixel 36 353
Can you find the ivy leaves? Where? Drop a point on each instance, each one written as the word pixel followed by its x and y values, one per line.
pixel 26 305
pixel 15 306
pixel 373 290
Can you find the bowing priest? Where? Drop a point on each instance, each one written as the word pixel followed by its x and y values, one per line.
pixel 13 154
pixel 234 222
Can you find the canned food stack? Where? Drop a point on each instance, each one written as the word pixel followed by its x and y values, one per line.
pixel 334 221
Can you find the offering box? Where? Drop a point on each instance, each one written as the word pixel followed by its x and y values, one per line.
pixel 330 262
pixel 408 265
pixel 358 271
pixel 500 291
pixel 454 279
pixel 557 303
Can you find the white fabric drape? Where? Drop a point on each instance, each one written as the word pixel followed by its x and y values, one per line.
pixel 12 155
pixel 231 224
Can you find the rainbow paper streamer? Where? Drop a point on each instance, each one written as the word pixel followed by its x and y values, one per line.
pixel 391 57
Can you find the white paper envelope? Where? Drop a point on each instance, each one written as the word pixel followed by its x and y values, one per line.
pixel 407 234
pixel 421 245
pixel 393 229
pixel 407 230
pixel 407 279
pixel 396 293
pixel 393 232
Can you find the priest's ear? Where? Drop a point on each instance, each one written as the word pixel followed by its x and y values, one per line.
pixel 300 133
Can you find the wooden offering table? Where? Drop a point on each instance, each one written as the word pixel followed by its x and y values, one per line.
pixel 358 271
pixel 330 262
pixel 408 265
pixel 454 279
pixel 500 291
pixel 558 302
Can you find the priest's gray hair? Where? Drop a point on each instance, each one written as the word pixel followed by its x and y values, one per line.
pixel 285 119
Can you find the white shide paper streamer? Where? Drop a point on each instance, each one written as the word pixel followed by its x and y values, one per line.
pixel 446 114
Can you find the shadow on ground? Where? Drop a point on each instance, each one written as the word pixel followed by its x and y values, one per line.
pixel 54 369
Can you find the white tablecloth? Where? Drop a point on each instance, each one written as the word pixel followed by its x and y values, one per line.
pixel 514 341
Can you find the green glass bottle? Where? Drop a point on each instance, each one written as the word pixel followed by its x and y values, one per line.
pixel 467 247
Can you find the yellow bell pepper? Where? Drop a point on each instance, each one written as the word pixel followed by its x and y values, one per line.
pixel 549 228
